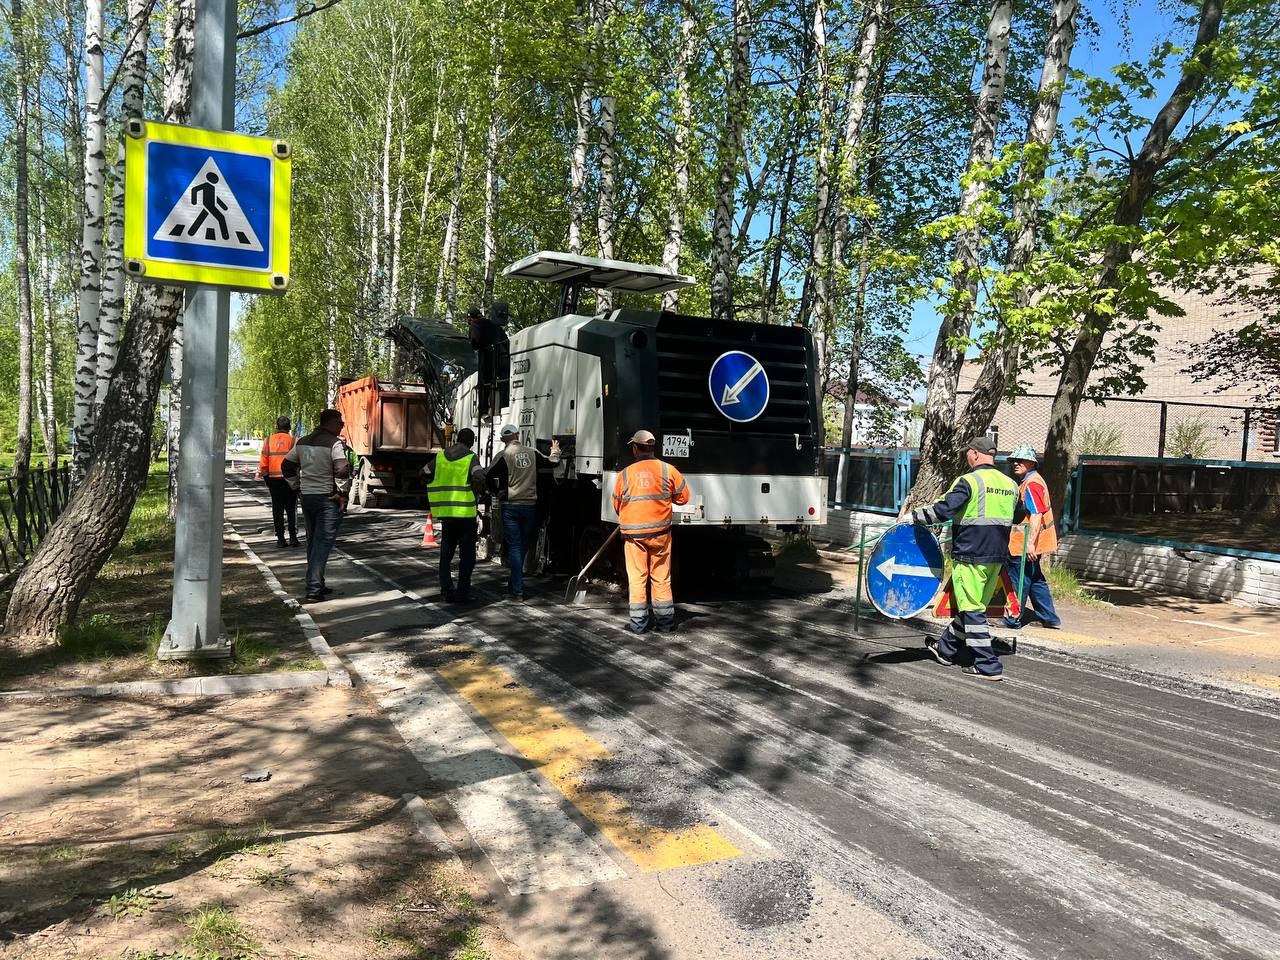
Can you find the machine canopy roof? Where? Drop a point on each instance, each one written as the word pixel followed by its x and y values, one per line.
pixel 573 269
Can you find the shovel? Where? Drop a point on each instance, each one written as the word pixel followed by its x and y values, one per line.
pixel 572 593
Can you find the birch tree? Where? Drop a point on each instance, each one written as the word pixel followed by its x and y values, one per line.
pixel 738 82
pixel 22 238
pixel 91 240
pixel 682 123
pixel 49 590
pixel 937 448
pixel 821 272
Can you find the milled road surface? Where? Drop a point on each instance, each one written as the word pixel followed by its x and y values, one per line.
pixel 878 804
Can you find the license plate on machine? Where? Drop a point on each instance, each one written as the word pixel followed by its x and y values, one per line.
pixel 675 446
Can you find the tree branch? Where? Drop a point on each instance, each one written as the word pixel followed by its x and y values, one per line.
pixel 304 10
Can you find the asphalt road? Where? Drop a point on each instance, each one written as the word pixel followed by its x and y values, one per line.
pixel 883 805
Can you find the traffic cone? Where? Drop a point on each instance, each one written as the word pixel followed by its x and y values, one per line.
pixel 429 533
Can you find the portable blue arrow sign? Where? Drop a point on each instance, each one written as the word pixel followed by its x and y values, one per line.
pixel 904 571
pixel 739 386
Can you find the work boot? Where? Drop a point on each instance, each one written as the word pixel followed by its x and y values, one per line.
pixel 932 647
pixel 280 542
pixel 294 542
pixel 975 672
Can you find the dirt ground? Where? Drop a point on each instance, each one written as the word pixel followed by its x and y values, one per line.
pixel 127 830
pixel 123 618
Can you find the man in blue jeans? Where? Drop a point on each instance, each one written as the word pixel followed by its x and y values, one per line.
pixel 514 476
pixel 318 462
pixel 1035 534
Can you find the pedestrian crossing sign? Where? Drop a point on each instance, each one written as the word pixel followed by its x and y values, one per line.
pixel 206 207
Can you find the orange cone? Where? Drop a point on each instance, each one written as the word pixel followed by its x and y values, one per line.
pixel 429 533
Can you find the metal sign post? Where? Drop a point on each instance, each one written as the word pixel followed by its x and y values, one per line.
pixel 195 625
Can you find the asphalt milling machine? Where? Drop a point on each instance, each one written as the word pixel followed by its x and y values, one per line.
pixel 734 405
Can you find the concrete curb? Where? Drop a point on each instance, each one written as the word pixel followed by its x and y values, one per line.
pixel 337 673
pixel 186 687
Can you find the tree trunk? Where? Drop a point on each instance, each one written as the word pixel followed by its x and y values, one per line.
pixel 90 241
pixel 447 280
pixel 49 590
pixel 731 149
pixel 939 458
pixel 1001 360
pixel 427 197
pixel 820 318
pixel 113 287
pixel 22 186
pixel 578 166
pixel 680 151
pixel 851 151
pixel 1058 459
pixel 492 145
pixel 606 214
pixel 45 397
pixel 331 354
pixel 174 432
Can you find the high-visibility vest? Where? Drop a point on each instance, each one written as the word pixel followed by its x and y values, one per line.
pixel 992 501
pixel 642 496
pixel 1047 539
pixel 450 490
pixel 273 450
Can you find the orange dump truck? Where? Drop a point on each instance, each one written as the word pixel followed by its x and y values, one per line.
pixel 391 429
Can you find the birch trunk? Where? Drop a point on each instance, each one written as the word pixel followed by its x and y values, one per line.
pixel 447 280
pixel 113 286
pixel 46 414
pixel 578 166
pixel 731 149
pixel 606 213
pixel 1001 360
pixel 49 590
pixel 1058 459
pixel 820 318
pixel 680 148
pixel 384 265
pixel 22 456
pixel 427 197
pixel 331 354
pixel 491 144
pixel 938 455
pixel 174 433
pixel 90 241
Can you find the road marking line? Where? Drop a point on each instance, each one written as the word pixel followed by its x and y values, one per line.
pixel 1082 638
pixel 429 827
pixel 1266 680
pixel 531 842
pixel 562 753
pixel 1212 625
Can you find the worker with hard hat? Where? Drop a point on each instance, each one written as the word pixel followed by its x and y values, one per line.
pixel 642 497
pixel 1035 532
pixel 980 506
pixel 513 476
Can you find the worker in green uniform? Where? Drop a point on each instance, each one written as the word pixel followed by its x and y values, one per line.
pixel 980 507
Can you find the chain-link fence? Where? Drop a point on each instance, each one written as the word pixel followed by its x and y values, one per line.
pixel 1135 427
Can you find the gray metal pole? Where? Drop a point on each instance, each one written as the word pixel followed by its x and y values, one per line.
pixel 195 625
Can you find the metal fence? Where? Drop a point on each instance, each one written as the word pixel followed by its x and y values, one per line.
pixel 1136 427
pixel 29 504
pixel 1221 506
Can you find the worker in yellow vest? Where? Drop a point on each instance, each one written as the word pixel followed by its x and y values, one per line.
pixel 284 499
pixel 1039 540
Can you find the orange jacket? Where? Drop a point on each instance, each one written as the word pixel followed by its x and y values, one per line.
pixel 1033 495
pixel 643 495
pixel 273 450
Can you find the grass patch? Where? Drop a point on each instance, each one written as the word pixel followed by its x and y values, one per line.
pixel 1064 585
pixel 280 876
pixel 62 853
pixel 796 547
pixel 468 944
pixel 216 933
pixel 133 902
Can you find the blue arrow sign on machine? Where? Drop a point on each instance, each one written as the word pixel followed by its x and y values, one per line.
pixel 739 386
pixel 904 571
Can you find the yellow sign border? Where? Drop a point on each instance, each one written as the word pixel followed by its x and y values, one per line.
pixel 146 270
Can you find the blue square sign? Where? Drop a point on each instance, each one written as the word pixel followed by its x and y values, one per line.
pixel 208 206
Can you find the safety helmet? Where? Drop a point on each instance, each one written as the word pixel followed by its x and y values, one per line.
pixel 1024 452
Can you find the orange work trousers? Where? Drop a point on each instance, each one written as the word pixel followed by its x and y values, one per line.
pixel 649 574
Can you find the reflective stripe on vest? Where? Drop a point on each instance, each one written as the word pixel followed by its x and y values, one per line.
pixel 645 515
pixel 1047 538
pixel 273 450
pixel 450 488
pixel 982 510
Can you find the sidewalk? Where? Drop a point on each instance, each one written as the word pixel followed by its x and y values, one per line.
pixel 1176 638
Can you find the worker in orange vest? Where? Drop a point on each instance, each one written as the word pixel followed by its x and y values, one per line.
pixel 1035 515
pixel 284 499
pixel 642 496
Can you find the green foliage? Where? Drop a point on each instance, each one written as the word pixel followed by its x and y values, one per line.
pixel 133 902
pixel 1191 438
pixel 1099 440
pixel 1066 587
pixel 216 933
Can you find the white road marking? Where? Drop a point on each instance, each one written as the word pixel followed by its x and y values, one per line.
pixel 1214 625
pixel 532 843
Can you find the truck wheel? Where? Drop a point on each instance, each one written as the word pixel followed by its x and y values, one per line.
pixel 360 485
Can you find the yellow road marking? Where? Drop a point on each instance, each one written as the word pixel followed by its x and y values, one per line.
pixel 1081 638
pixel 1267 680
pixel 562 753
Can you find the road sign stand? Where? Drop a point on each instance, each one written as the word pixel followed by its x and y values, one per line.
pixel 195 625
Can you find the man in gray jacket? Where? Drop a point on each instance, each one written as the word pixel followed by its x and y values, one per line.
pixel 514 475
pixel 319 461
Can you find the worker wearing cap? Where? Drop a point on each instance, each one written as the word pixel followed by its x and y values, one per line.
pixel 513 475
pixel 284 501
pixel 980 506
pixel 642 496
pixel 1039 537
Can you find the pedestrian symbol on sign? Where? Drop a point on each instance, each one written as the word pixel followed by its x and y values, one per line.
pixel 209 203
